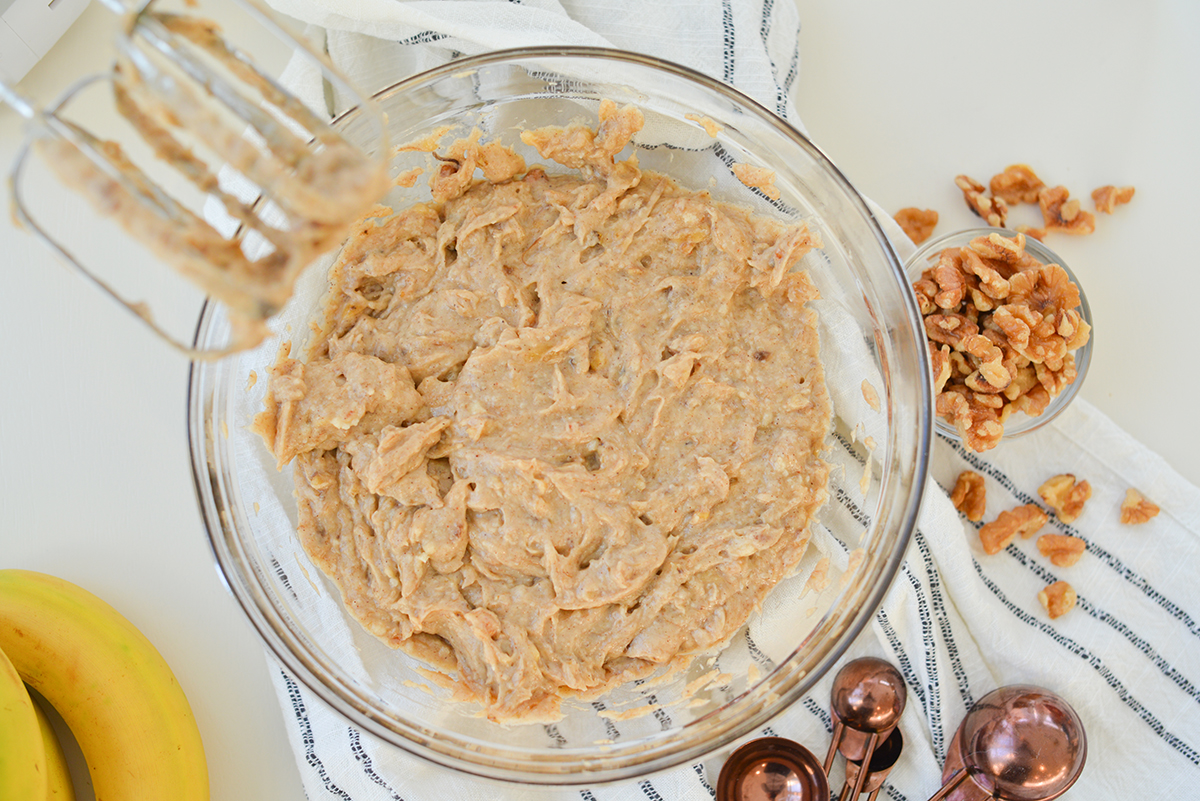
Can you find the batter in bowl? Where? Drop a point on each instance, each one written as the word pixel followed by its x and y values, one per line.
pixel 557 432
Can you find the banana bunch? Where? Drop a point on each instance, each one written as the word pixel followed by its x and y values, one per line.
pixel 111 687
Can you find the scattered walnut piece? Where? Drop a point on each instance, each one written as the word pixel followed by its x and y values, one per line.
pixel 1108 197
pixel 1024 520
pixel 1061 549
pixel 1017 184
pixel 1058 599
pixel 1065 496
pixel 1061 212
pixel 1033 233
pixel 1001 328
pixel 1136 508
pixel 918 224
pixel 993 210
pixel 970 495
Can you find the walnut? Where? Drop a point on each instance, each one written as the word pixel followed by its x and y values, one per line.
pixel 952 282
pixel 1136 508
pixel 970 495
pixel 1034 233
pixel 1040 319
pixel 1055 381
pixel 1024 378
pixel 1017 184
pixel 1061 213
pixel 1046 289
pixel 1033 402
pixel 1108 197
pixel 982 429
pixel 1066 497
pixel 993 210
pixel 1062 550
pixel 949 329
pixel 960 368
pixel 1058 599
pixel 1005 250
pixel 918 224
pixel 1024 520
pixel 991 282
pixel 990 361
pixel 926 289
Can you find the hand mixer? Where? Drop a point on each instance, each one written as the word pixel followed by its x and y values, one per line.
pixel 241 186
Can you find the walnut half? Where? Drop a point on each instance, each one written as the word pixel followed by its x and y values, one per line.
pixel 1062 550
pixel 1058 599
pixel 1024 520
pixel 1108 197
pixel 1066 497
pixel 970 495
pixel 918 224
pixel 1136 508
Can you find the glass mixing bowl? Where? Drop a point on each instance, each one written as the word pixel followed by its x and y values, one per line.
pixel 879 382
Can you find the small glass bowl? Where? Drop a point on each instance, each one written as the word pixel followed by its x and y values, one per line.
pixel 1019 423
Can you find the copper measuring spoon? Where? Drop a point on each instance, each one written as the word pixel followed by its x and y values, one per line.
pixel 772 769
pixel 867 700
pixel 1017 743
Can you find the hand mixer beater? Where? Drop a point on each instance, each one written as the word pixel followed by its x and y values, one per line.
pixel 222 173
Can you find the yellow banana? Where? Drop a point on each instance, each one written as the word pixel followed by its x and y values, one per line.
pixel 22 756
pixel 58 775
pixel 111 686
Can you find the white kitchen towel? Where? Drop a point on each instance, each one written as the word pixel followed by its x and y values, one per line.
pixel 956 622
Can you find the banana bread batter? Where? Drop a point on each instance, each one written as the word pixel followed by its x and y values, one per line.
pixel 558 432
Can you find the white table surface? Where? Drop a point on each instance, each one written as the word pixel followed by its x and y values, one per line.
pixel 95 484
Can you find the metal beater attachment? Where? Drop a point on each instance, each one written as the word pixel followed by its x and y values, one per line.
pixel 220 172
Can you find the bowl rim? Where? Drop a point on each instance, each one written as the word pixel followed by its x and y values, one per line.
pixel 755 707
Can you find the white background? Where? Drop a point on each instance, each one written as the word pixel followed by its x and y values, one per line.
pixel 94 478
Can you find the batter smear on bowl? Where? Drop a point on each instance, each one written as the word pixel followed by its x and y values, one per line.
pixel 557 432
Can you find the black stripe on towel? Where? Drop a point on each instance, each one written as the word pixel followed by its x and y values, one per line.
pixel 306 737
pixel 757 654
pixel 764 32
pixel 424 37
pixel 360 756
pixel 648 789
pixel 928 692
pixel 939 610
pixel 699 769
pixel 610 728
pixel 794 66
pixel 278 568
pixel 904 664
pixel 730 38
pixel 819 713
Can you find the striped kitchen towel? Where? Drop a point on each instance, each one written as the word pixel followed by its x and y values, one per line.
pixel 956 622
